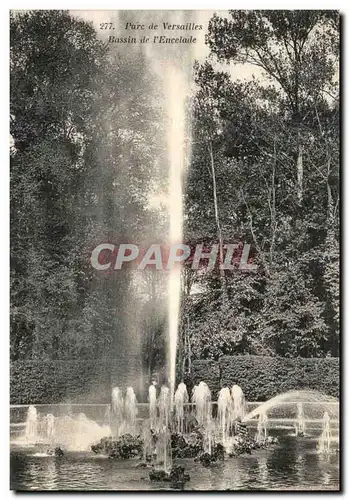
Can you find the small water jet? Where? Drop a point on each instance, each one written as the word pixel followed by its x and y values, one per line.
pixel 262 428
pixel 31 425
pixel 180 399
pixel 50 426
pixel 152 406
pixel 130 411
pixel 238 398
pixel 225 414
pixel 300 423
pixel 203 404
pixel 164 404
pixel 324 444
pixel 163 450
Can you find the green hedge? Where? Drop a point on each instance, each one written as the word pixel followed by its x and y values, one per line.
pixel 263 377
pixel 59 381
pixel 72 381
pixel 208 371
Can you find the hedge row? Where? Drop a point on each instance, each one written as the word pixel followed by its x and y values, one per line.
pixel 208 371
pixel 263 377
pixel 58 381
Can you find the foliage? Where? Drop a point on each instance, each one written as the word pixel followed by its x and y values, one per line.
pixel 274 144
pixel 263 377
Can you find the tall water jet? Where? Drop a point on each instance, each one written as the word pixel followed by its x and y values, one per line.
pixel 31 424
pixel 300 422
pixel 324 444
pixel 225 414
pixel 152 406
pixel 238 398
pixel 180 399
pixel 262 428
pixel 130 411
pixel 176 88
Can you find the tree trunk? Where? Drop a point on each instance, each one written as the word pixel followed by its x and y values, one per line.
pixel 300 172
pixel 215 202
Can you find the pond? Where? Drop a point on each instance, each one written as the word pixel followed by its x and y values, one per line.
pixel 294 464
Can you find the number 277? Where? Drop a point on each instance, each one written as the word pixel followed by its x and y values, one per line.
pixel 106 26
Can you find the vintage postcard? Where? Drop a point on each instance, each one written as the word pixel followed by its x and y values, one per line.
pixel 175 250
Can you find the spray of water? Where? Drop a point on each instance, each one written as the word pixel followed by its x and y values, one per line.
pixel 238 402
pixel 324 444
pixel 225 414
pixel 180 399
pixel 152 406
pixel 262 428
pixel 31 424
pixel 130 411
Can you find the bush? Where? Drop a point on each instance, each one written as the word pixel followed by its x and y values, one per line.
pixel 35 382
pixel 206 370
pixel 263 377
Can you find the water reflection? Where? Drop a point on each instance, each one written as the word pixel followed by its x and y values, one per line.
pixel 295 464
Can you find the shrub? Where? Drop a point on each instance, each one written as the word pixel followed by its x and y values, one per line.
pixel 263 377
pixel 34 382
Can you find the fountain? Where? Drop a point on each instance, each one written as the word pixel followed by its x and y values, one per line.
pixel 50 429
pixel 164 408
pixel 152 406
pixel 314 411
pixel 203 404
pixel 130 411
pixel 300 422
pixel 180 399
pixel 163 450
pixel 324 444
pixel 225 414
pixel 31 425
pixel 262 428
pixel 238 402
pixel 117 410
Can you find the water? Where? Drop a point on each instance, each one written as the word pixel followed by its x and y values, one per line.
pixel 180 399
pixel 203 404
pixel 262 428
pixel 225 415
pixel 291 398
pixel 300 423
pixel 152 406
pixel 164 408
pixel 163 450
pixel 295 464
pixel 31 424
pixel 238 402
pixel 117 411
pixel 130 411
pixel 324 445
pixel 50 422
